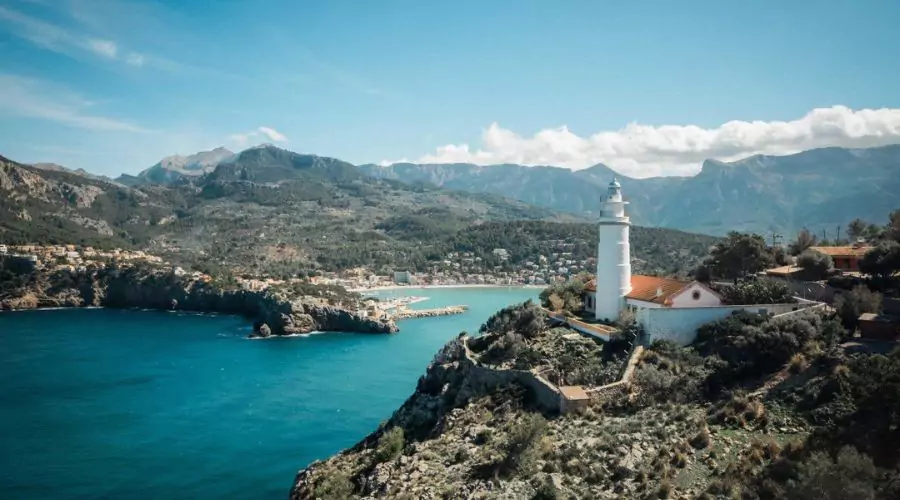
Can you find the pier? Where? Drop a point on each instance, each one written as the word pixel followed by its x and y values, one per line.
pixel 406 313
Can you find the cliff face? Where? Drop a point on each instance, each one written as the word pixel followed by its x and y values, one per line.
pixel 273 313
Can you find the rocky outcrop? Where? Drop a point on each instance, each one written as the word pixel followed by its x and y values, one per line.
pixel 274 313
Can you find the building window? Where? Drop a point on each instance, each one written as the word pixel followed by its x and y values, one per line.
pixel 696 295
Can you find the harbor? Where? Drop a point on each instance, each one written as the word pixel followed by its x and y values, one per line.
pixel 398 308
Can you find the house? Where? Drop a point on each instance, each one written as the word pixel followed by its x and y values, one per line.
pixel 879 326
pixel 846 258
pixel 651 292
pixel 788 272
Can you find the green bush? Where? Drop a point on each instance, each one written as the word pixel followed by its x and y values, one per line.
pixel 521 448
pixel 334 485
pixel 390 445
pixel 816 265
pixel 758 291
pixel 525 319
pixel 850 305
pixel 747 346
pixel 850 475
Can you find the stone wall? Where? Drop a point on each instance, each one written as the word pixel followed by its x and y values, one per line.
pixel 546 394
pixel 619 388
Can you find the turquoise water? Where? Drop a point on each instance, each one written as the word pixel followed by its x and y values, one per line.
pixel 130 404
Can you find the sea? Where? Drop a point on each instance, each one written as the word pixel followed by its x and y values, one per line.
pixel 121 404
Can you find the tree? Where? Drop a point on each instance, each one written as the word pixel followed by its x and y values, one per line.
pixel 758 292
pixel 882 261
pixel 851 304
pixel 805 239
pixel 857 229
pixel 738 255
pixel 893 228
pixel 816 265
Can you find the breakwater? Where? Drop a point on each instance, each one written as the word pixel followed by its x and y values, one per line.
pixel 428 313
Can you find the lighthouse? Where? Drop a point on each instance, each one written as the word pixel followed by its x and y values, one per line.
pixel 613 255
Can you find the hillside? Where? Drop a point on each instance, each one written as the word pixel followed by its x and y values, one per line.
pixel 269 210
pixel 758 407
pixel 265 209
pixel 818 189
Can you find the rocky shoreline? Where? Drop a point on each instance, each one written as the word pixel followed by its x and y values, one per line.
pixel 272 312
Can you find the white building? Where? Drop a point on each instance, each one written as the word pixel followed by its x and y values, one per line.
pixel 404 277
pixel 665 308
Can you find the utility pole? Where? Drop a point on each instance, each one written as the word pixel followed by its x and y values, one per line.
pixel 838 234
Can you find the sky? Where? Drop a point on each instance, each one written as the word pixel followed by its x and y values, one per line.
pixel 648 88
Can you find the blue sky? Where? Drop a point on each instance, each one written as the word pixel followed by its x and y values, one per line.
pixel 112 86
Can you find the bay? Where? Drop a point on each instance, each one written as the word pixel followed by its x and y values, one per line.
pixel 138 404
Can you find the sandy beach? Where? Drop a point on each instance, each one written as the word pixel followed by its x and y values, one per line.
pixel 425 287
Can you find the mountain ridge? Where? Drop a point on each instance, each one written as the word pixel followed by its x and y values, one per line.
pixel 816 189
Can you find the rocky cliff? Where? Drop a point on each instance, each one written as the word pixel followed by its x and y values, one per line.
pixel 273 312
pixel 818 423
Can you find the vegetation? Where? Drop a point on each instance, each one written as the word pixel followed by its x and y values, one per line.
pixel 286 215
pixel 739 255
pixel 816 265
pixel 801 244
pixel 566 296
pixel 850 305
pixel 757 292
pixel 390 445
pixel 883 261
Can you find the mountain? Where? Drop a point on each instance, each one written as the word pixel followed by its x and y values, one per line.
pixel 174 168
pixel 269 210
pixel 817 189
pixel 56 205
pixel 263 209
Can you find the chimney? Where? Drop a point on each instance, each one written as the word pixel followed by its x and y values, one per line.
pixel 659 291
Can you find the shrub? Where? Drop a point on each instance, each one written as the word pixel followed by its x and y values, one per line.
pixel 505 348
pixel 751 346
pixel 798 363
pixel 816 265
pixel 526 319
pixel 521 449
pixel 390 445
pixel 334 485
pixel 758 292
pixel 850 305
pixel 565 296
pixel 702 440
pixel 849 475
pixel 738 411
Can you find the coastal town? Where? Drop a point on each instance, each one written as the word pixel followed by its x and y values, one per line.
pixel 457 269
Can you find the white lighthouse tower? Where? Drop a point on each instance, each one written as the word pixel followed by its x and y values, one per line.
pixel 613 255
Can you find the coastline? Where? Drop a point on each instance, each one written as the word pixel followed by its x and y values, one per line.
pixel 426 287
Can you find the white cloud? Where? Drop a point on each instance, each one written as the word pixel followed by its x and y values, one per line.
pixel 135 59
pixel 31 98
pixel 646 150
pixel 245 139
pixel 272 134
pixel 105 48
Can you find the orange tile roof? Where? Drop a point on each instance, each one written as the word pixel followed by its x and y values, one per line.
pixel 843 251
pixel 645 287
pixel 784 270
